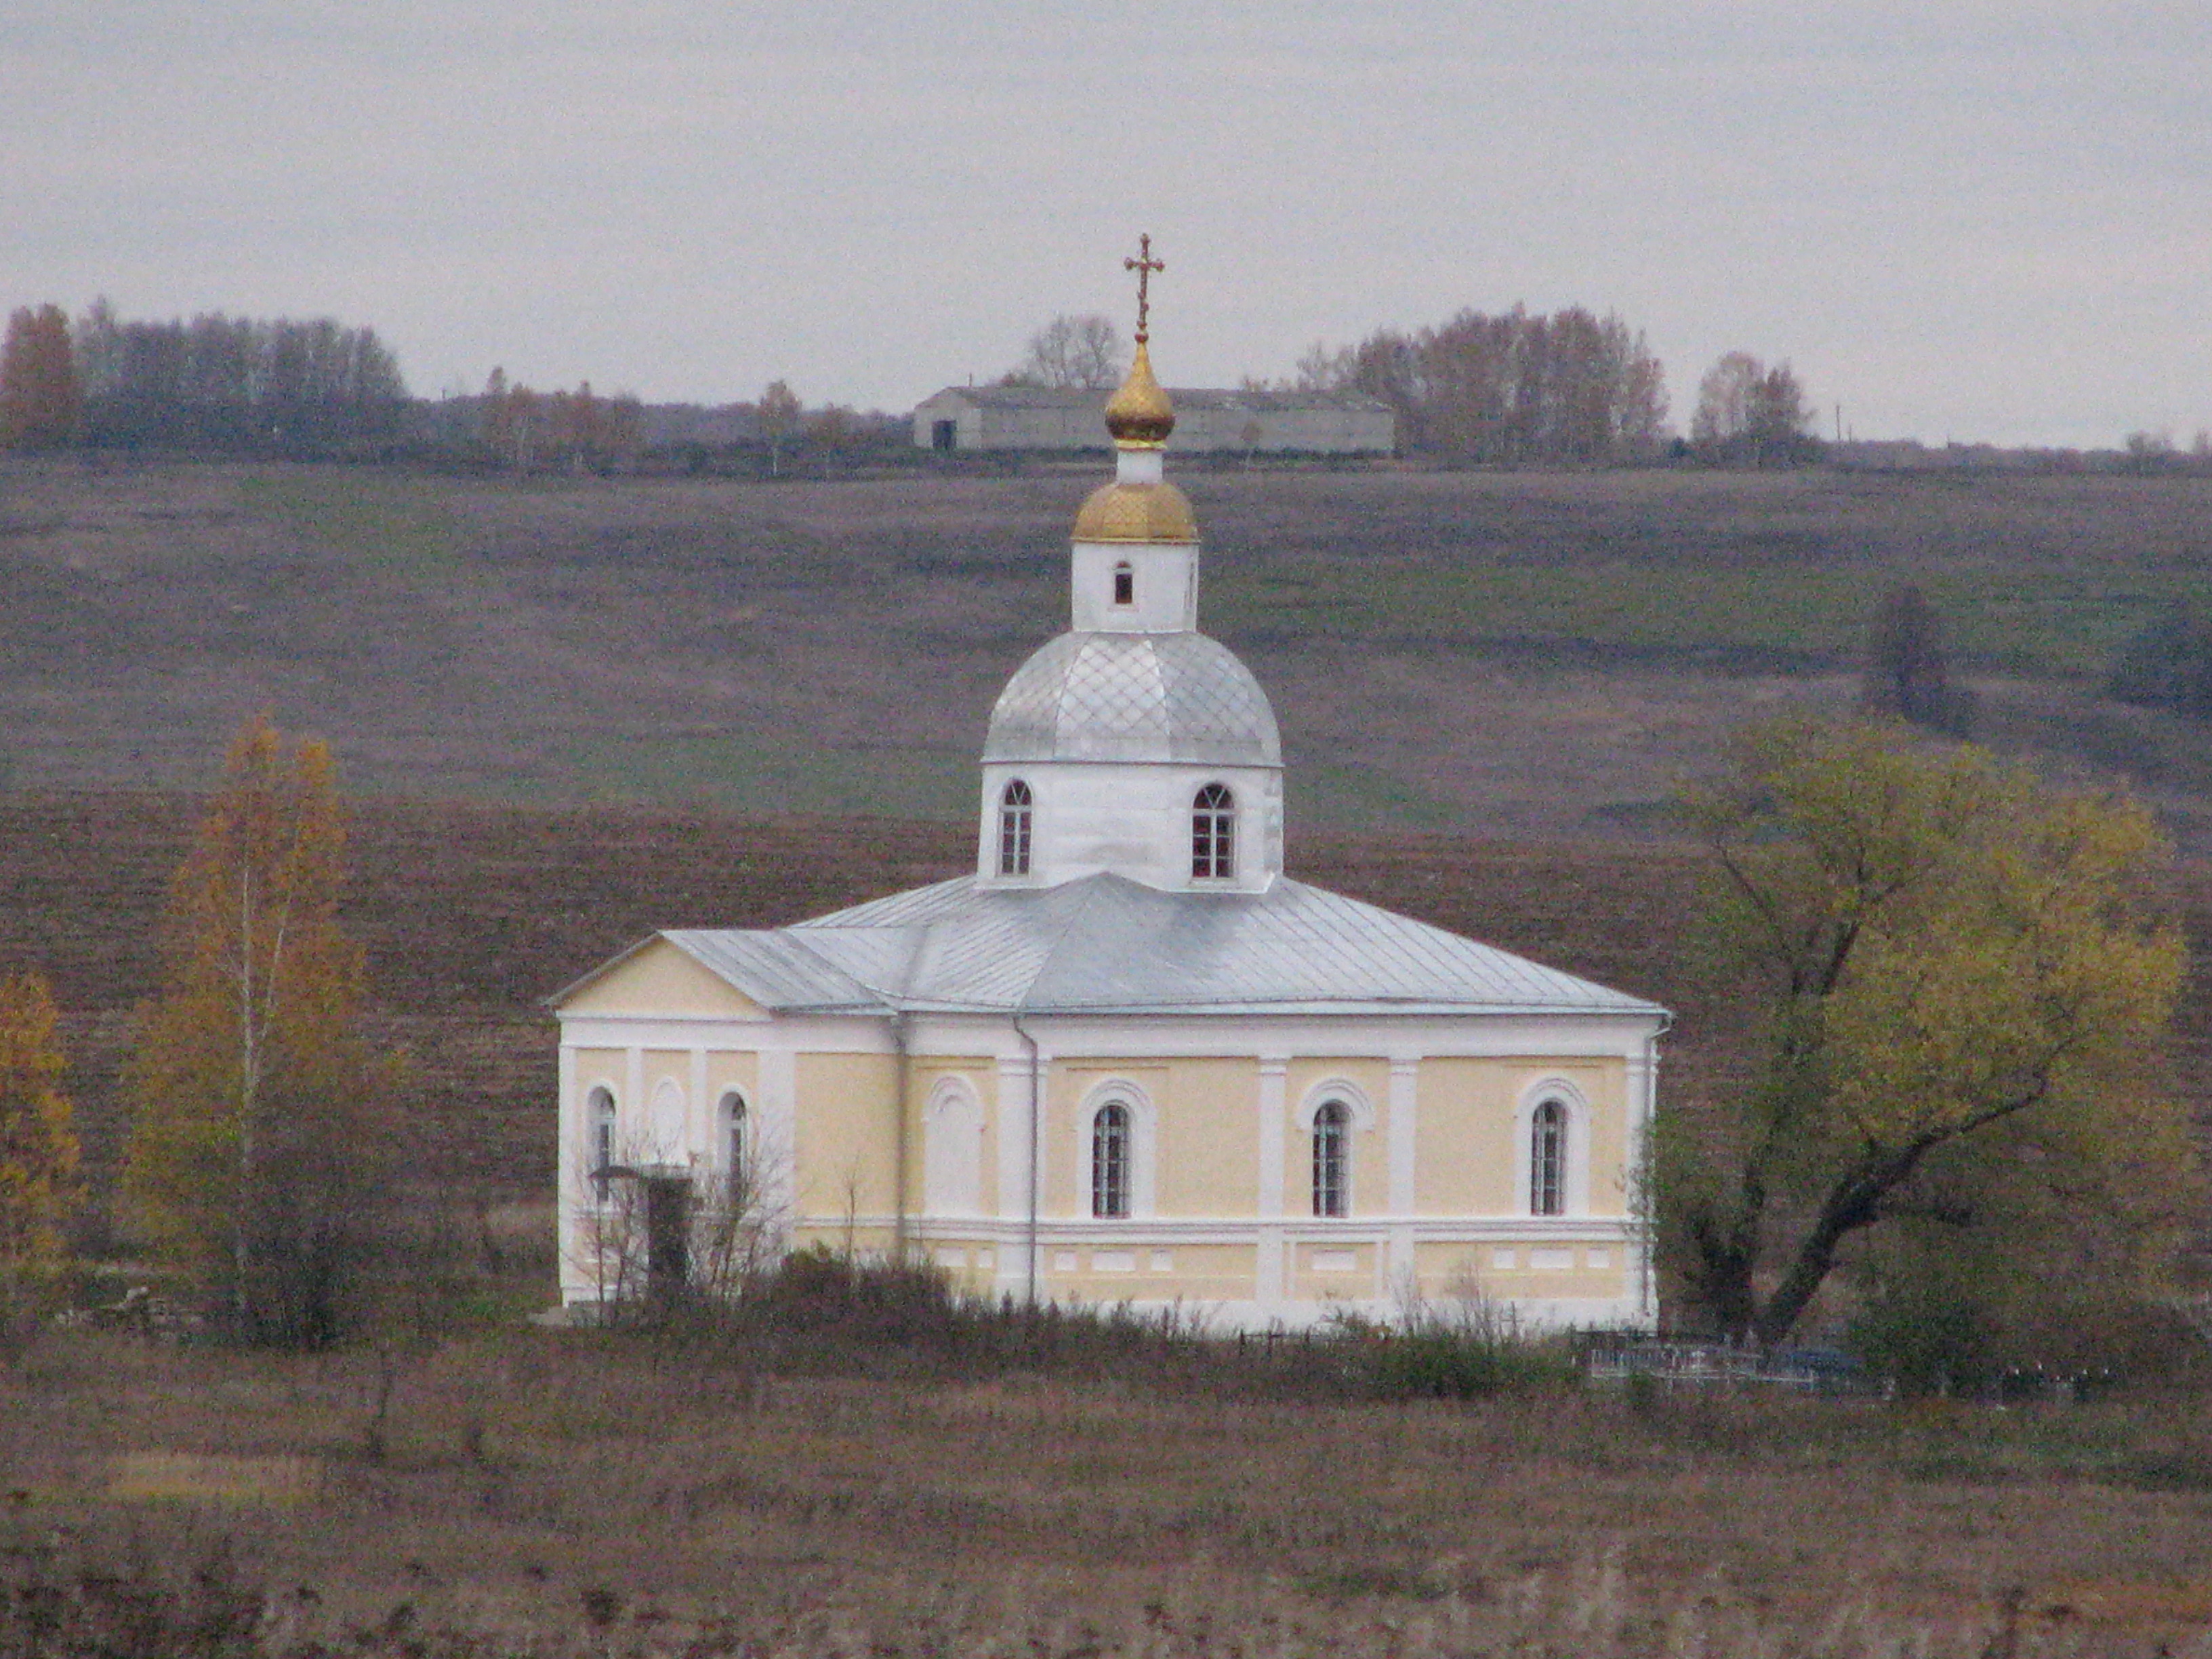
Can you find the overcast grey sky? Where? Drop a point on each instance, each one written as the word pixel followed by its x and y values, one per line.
pixel 1980 219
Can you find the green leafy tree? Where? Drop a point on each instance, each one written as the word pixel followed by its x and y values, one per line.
pixel 41 401
pixel 253 1156
pixel 38 1153
pixel 1954 976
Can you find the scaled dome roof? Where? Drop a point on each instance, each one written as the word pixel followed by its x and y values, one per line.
pixel 1134 697
pixel 1120 511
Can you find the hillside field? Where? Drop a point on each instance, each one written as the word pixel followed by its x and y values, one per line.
pixel 570 712
pixel 1530 655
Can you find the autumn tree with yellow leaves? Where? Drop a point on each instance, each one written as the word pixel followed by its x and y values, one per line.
pixel 254 1157
pixel 38 1154
pixel 41 398
pixel 1959 982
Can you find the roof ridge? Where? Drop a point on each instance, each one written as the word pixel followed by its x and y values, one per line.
pixel 1091 883
pixel 838 917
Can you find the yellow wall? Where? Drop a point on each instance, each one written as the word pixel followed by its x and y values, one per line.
pixel 1606 1085
pixel 1320 1270
pixel 741 1072
pixel 1206 1156
pixel 1131 1272
pixel 598 1066
pixel 846 1149
pixel 1593 1267
pixel 1463 1138
pixel 1207 1163
pixel 669 1064
pixel 1204 1159
pixel 660 981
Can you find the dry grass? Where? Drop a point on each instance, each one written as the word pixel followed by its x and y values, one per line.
pixel 557 1492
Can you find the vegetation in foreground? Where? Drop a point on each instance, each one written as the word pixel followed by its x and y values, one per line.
pixel 812 1482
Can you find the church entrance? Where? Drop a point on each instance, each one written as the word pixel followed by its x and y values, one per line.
pixel 667 1234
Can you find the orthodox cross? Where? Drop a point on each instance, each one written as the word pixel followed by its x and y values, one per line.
pixel 1144 265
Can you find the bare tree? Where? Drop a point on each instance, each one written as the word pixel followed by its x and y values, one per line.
pixel 1325 367
pixel 1747 411
pixel 649 1237
pixel 1725 399
pixel 1082 353
pixel 1508 387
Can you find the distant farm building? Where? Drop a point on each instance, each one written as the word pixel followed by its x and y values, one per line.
pixel 1003 418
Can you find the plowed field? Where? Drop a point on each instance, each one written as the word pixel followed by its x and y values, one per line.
pixel 471 916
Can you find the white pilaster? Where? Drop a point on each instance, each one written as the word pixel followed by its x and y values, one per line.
pixel 1013 1136
pixel 699 1132
pixel 1642 1083
pixel 1021 1143
pixel 779 1173
pixel 1402 1131
pixel 633 1122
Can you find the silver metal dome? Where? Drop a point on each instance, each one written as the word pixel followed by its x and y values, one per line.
pixel 1134 697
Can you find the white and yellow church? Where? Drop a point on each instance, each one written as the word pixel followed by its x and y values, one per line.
pixel 1128 1060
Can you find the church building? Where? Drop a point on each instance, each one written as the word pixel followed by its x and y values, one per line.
pixel 1127 1059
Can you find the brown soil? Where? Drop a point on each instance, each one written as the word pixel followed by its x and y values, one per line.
pixel 471 916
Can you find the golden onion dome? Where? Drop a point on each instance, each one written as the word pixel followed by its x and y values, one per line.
pixel 1140 413
pixel 1136 513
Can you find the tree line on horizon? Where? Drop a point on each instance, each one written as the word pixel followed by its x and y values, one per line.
pixel 285 385
pixel 319 389
pixel 1515 387
pixel 1511 388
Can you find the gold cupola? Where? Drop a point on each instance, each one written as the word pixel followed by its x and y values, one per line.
pixel 1139 505
pixel 1140 415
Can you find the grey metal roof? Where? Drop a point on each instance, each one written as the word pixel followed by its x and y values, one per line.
pixel 1134 697
pixel 778 970
pixel 1104 944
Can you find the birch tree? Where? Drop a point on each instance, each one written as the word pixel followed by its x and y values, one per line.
pixel 38 1153
pixel 252 1157
pixel 780 413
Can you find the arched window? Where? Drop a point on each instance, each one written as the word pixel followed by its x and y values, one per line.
pixel 600 1116
pixel 1332 1131
pixel 1015 807
pixel 737 1154
pixel 1109 1160
pixel 1213 833
pixel 1548 1159
pixel 1125 584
